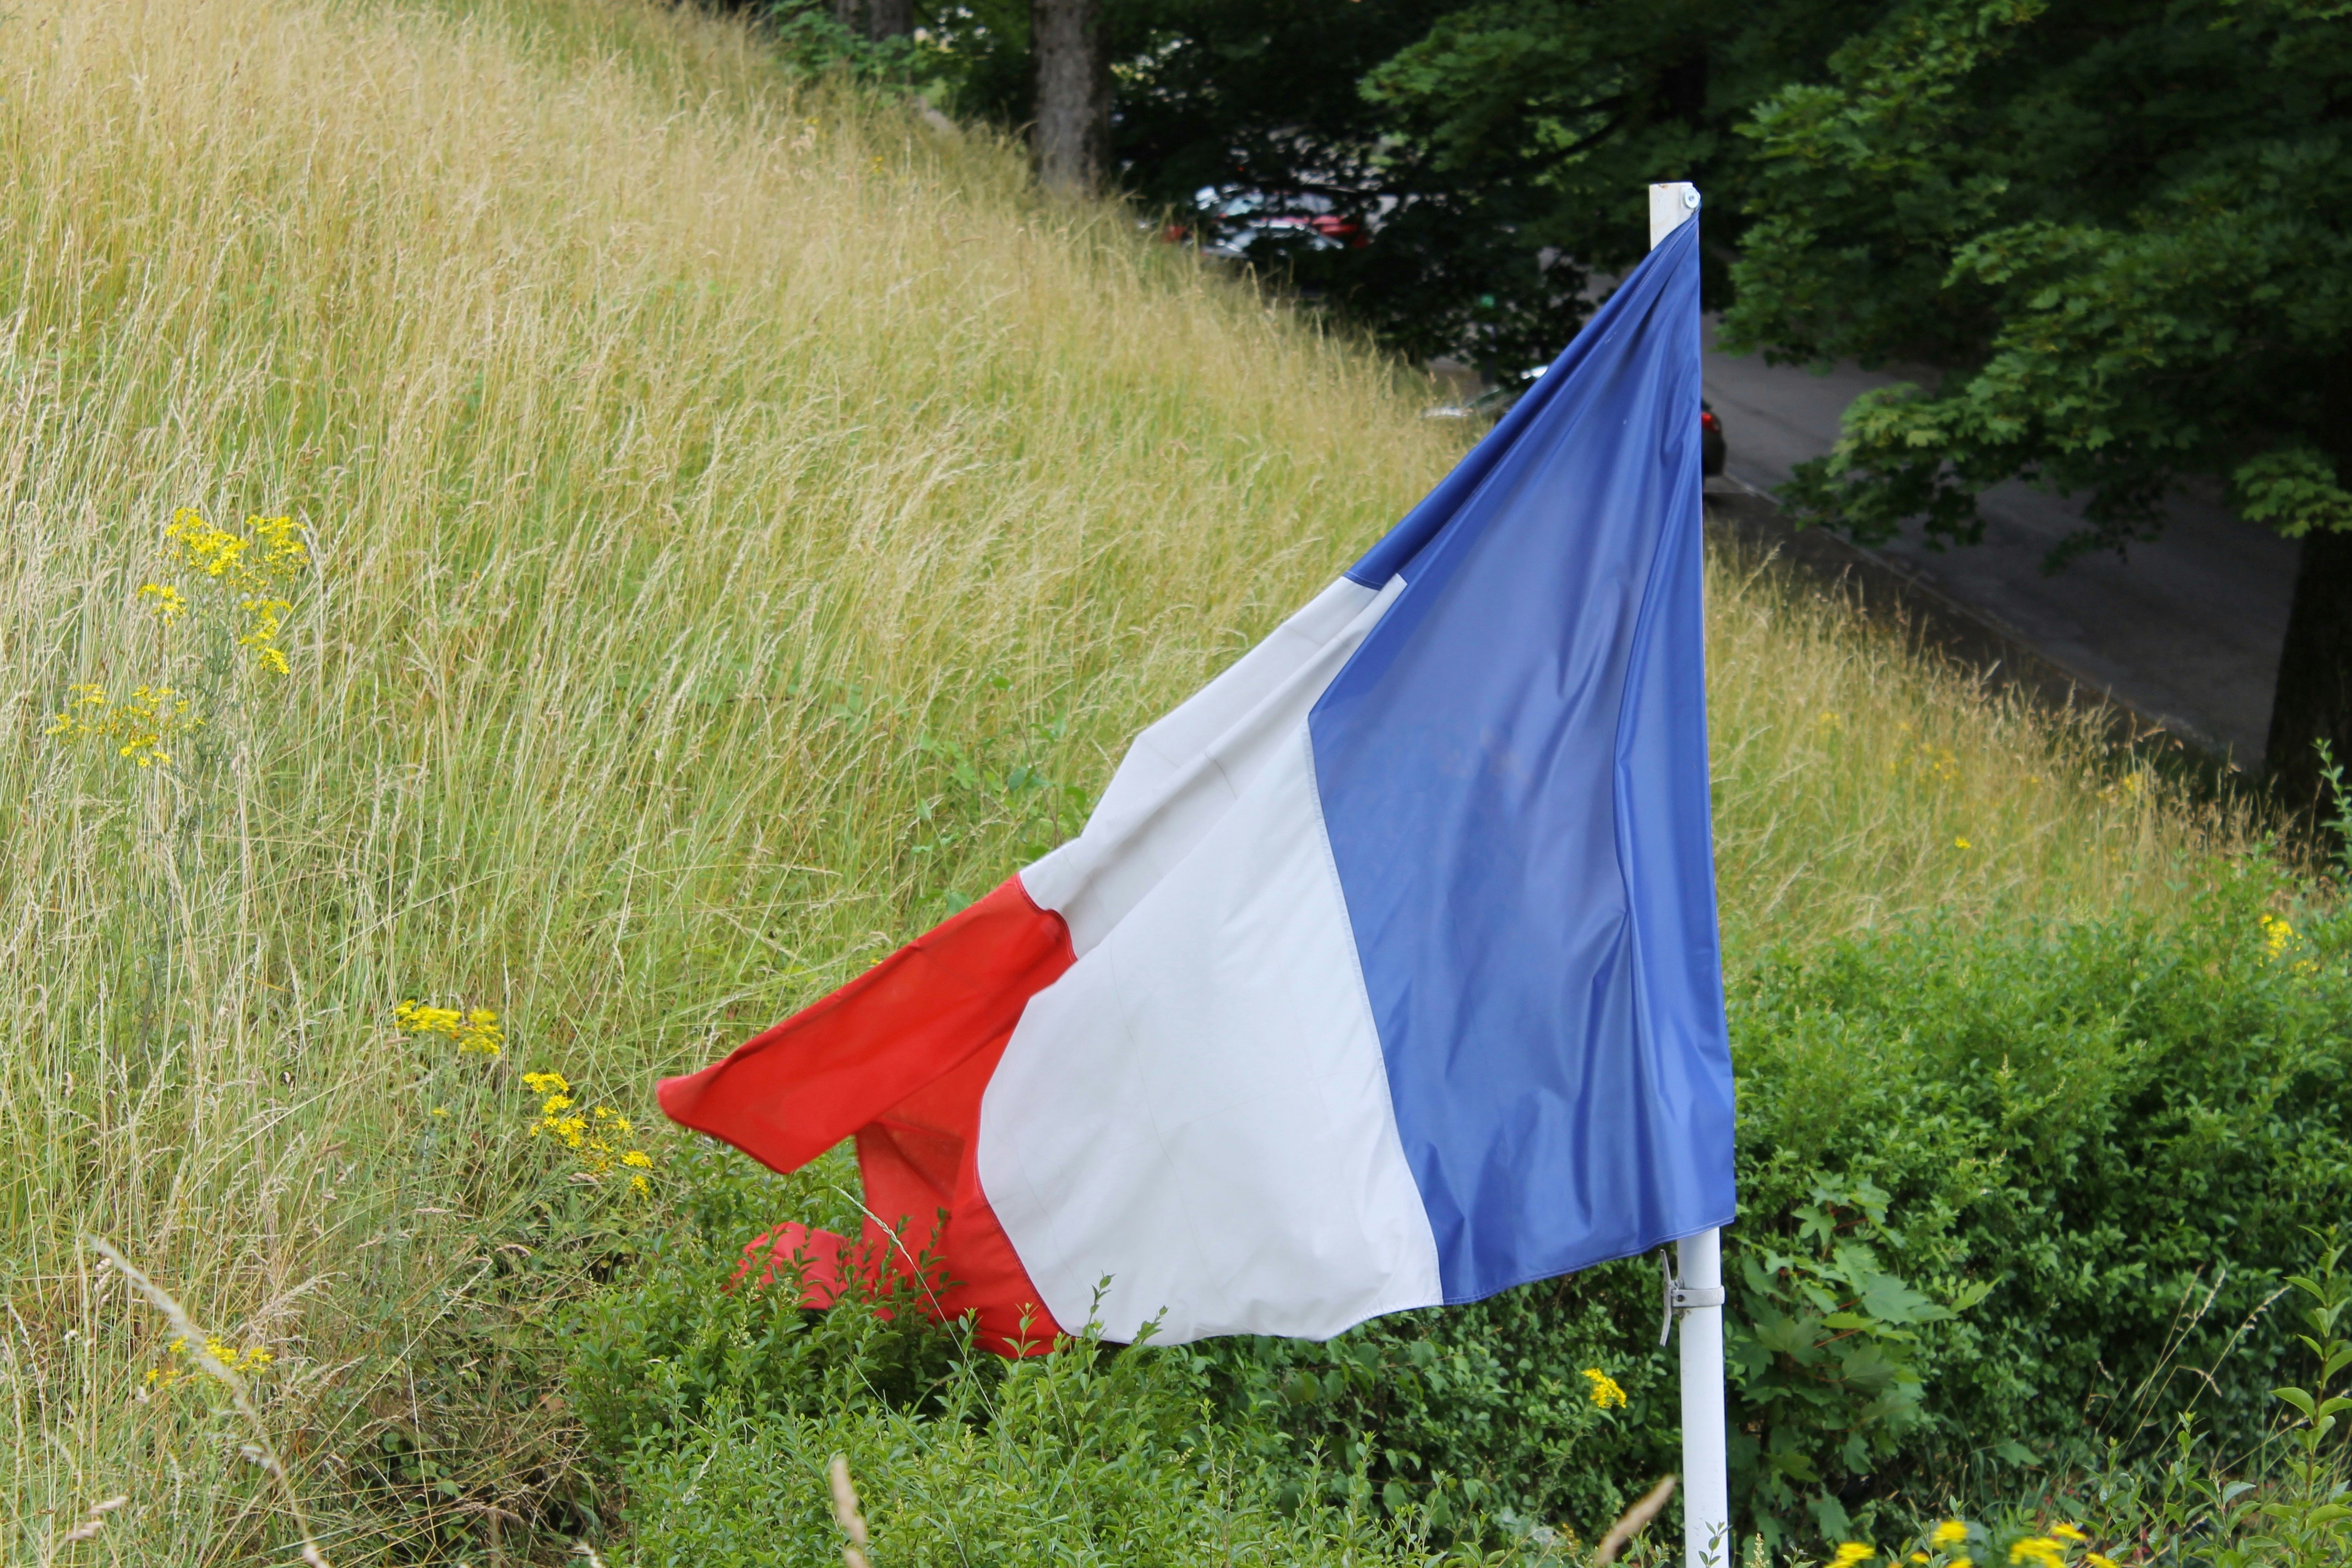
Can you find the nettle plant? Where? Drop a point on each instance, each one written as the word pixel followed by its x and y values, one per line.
pixel 2303 1519
pixel 1826 1360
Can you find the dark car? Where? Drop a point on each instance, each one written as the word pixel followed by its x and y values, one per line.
pixel 1710 440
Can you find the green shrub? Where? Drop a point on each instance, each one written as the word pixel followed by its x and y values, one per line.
pixel 1478 1411
pixel 682 1340
pixel 2112 1133
pixel 1087 1457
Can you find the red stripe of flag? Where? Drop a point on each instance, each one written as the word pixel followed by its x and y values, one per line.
pixel 898 1058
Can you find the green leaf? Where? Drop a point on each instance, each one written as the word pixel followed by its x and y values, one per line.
pixel 1885 1296
pixel 1785 1335
pixel 2294 491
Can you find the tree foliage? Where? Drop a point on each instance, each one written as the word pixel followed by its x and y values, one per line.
pixel 2115 234
pixel 2114 226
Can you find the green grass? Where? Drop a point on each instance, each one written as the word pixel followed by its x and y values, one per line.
pixel 744 524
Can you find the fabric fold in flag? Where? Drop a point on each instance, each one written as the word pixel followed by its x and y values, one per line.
pixel 1384 974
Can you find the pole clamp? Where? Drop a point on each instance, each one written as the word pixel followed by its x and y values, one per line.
pixel 1682 1298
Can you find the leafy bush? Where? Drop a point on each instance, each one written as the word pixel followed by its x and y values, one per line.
pixel 684 1340
pixel 1472 1411
pixel 1084 1458
pixel 2103 1142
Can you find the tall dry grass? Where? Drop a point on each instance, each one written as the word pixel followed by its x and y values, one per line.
pixel 1861 783
pixel 744 522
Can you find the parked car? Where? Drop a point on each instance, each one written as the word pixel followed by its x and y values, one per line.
pixel 1232 219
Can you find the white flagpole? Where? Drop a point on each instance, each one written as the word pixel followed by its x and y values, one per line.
pixel 1697 1295
pixel 1706 1481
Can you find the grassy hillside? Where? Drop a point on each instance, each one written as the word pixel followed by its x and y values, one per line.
pixel 737 523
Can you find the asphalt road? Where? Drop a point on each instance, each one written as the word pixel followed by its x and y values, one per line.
pixel 2186 631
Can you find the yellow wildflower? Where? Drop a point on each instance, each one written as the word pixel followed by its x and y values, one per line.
pixel 1949 1534
pixel 243 1362
pixel 215 551
pixel 253 566
pixel 1963 844
pixel 1852 1552
pixel 168 603
pixel 477 1032
pixel 1605 1392
pixel 282 554
pixel 2097 1560
pixel 72 724
pixel 263 619
pixel 2038 1549
pixel 141 724
pixel 2068 1532
pixel 2277 935
pixel 594 1134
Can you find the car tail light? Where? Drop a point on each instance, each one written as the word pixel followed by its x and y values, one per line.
pixel 1709 423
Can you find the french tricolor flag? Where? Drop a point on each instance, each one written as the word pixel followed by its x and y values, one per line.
pixel 1386 971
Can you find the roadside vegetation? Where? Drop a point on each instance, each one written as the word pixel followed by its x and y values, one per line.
pixel 532 542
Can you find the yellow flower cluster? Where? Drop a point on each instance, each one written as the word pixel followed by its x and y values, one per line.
pixel 255 565
pixel 2277 935
pixel 595 1136
pixel 2280 938
pixel 1938 764
pixel 244 1363
pixel 1606 1394
pixel 168 602
pixel 232 558
pixel 264 618
pixel 1948 1538
pixel 140 725
pixel 476 1030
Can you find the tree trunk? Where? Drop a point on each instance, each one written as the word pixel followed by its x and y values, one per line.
pixel 2313 699
pixel 876 19
pixel 1071 138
